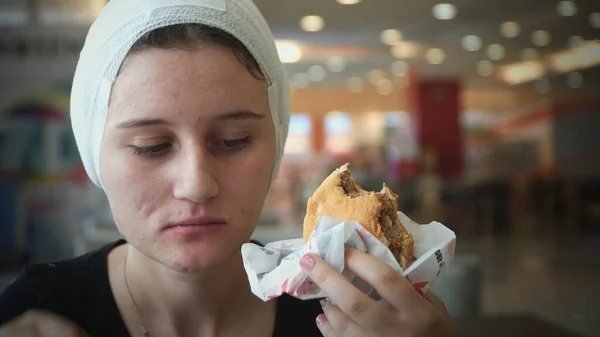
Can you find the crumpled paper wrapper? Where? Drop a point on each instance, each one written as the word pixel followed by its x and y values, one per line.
pixel 275 269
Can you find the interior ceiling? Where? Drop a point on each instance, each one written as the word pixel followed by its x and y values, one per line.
pixel 361 24
pixel 353 31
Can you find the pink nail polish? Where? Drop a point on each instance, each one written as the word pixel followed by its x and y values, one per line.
pixel 307 262
pixel 321 319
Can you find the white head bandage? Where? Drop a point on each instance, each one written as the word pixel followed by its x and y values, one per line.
pixel 123 22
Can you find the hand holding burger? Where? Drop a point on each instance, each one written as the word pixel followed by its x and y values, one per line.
pixel 348 312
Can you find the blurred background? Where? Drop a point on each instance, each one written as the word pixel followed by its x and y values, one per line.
pixel 482 115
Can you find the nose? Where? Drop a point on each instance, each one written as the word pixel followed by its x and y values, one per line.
pixel 194 176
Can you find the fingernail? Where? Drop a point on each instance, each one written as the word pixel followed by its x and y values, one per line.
pixel 321 319
pixel 323 301
pixel 307 262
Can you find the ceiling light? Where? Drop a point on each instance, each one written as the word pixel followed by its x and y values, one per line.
pixel 529 54
pixel 355 84
pixel 385 86
pixel 399 68
pixel 312 23
pixel 375 75
pixel 575 41
pixel 566 8
pixel 289 52
pixel 485 68
pixel 405 49
pixel 316 73
pixel 336 64
pixel 586 56
pixel 301 81
pixel 595 19
pixel 444 11
pixel 510 29
pixel 390 37
pixel 471 42
pixel 574 80
pixel 495 52
pixel 522 72
pixel 540 38
pixel 435 56
pixel 542 86
pixel 398 51
pixel 348 2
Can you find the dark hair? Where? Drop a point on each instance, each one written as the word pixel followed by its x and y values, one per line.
pixel 192 36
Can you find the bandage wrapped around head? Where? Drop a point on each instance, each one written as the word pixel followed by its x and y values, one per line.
pixel 123 22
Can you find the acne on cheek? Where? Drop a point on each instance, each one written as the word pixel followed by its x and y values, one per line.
pixel 135 191
pixel 144 203
pixel 132 212
pixel 246 211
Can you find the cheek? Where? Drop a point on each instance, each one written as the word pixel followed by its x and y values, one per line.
pixel 253 184
pixel 132 194
pixel 248 184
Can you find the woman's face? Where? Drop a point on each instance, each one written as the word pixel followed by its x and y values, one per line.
pixel 187 154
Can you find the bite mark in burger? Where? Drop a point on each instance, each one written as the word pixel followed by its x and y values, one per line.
pixel 340 197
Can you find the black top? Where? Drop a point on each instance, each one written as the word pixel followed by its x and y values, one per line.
pixel 79 289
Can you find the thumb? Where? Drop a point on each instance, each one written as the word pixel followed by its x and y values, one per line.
pixel 37 323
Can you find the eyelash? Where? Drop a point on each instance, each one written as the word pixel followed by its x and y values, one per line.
pixel 229 145
pixel 235 144
pixel 149 150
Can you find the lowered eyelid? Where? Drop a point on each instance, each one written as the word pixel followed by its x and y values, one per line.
pixel 149 140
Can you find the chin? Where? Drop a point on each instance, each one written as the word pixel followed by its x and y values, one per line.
pixel 195 257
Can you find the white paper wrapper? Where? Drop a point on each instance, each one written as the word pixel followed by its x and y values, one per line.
pixel 275 269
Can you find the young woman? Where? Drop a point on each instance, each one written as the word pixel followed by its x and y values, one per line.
pixel 180 113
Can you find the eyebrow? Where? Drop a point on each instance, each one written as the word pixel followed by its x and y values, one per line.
pixel 241 115
pixel 139 122
pixel 234 115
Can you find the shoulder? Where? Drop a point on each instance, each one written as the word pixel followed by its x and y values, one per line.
pixel 58 287
pixel 296 317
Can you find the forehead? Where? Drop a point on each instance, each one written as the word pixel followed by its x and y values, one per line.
pixel 210 79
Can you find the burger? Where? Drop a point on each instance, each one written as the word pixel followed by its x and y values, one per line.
pixel 340 197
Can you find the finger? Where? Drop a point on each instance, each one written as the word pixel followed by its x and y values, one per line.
pixel 49 325
pixel 342 324
pixel 12 328
pixel 324 326
pixel 436 302
pixel 360 307
pixel 394 288
pixel 439 305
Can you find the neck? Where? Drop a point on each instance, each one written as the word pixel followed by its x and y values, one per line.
pixel 188 303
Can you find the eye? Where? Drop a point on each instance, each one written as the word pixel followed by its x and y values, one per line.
pixel 150 150
pixel 233 144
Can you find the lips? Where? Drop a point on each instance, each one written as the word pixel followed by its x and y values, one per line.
pixel 199 221
pixel 196 223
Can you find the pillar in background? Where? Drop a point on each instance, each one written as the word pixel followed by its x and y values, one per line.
pixel 317 133
pixel 435 104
